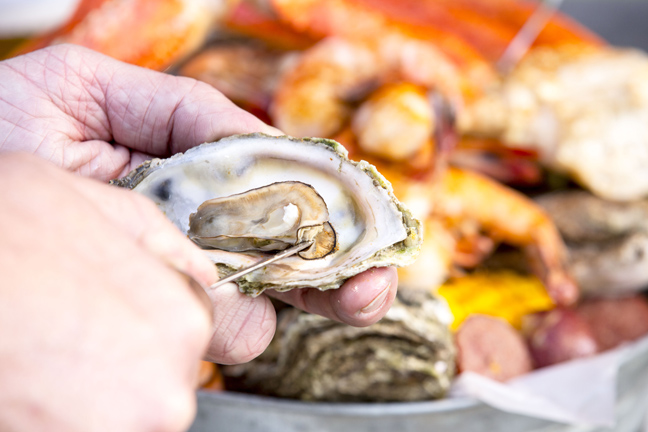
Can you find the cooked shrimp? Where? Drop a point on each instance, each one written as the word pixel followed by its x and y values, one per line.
pixel 509 216
pixel 316 96
pixel 468 202
pixel 395 122
pixel 313 97
pixel 583 107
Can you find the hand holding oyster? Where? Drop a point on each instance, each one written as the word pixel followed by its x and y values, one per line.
pixel 246 195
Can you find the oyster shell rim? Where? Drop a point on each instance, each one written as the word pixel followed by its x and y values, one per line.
pixel 398 254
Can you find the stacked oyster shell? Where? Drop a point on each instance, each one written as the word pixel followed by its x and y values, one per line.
pixel 607 241
pixel 406 356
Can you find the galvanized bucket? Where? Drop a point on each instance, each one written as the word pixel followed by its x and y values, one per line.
pixel 234 412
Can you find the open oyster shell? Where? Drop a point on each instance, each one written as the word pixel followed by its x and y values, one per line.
pixel 372 228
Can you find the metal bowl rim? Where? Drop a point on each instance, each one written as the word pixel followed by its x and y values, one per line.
pixel 342 408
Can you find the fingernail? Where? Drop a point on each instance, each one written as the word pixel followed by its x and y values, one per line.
pixel 377 302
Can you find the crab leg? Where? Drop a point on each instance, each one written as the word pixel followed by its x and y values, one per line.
pixel 149 33
pixel 467 28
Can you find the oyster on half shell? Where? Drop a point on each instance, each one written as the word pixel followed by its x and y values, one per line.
pixel 245 196
pixel 270 218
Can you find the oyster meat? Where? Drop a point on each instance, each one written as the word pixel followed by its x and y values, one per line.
pixel 245 196
pixel 269 218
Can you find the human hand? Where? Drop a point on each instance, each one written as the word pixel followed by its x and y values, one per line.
pixel 98 330
pixel 99 117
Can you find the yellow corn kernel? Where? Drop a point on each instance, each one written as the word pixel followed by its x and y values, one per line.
pixel 503 294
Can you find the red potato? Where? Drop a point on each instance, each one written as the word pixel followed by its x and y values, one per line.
pixel 618 320
pixel 491 347
pixel 557 336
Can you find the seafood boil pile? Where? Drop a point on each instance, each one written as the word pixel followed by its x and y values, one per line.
pixel 515 203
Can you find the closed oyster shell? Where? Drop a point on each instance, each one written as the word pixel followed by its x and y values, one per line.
pixel 373 229
pixel 607 241
pixel 409 355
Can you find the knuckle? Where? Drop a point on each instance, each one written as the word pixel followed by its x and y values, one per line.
pixel 201 87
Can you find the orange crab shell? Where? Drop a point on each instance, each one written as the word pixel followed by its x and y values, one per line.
pixel 148 33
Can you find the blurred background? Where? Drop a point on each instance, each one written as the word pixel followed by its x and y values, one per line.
pixel 529 178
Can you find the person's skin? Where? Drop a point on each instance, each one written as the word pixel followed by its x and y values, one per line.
pixel 97 329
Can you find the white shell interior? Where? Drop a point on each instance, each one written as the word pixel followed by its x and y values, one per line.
pixel 362 213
